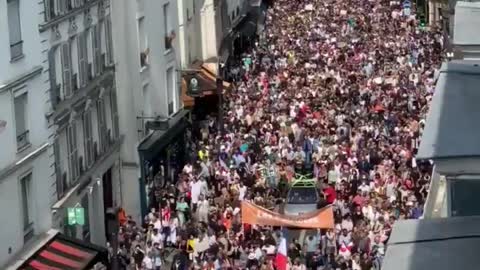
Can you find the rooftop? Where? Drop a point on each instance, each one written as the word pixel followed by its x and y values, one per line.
pixel 440 244
pixel 452 128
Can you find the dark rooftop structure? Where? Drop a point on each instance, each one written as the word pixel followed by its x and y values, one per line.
pixel 440 244
pixel 453 123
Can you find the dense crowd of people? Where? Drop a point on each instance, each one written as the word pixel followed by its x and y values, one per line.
pixel 337 89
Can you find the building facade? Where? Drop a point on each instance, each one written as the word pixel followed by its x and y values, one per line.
pixel 82 114
pixel 25 183
pixel 146 52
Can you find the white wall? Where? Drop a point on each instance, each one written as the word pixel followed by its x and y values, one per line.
pixel 141 90
pixel 11 234
pixel 210 40
pixel 29 11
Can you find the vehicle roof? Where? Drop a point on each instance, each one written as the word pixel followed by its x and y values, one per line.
pixel 303 182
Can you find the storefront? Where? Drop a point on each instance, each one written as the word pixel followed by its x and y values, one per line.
pixel 162 157
pixel 57 251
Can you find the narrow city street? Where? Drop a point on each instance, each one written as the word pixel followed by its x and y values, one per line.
pixel 178 134
pixel 337 90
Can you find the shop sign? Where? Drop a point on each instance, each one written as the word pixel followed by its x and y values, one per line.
pixel 193 86
pixel 76 216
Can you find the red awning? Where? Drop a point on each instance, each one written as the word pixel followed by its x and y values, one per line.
pixel 62 253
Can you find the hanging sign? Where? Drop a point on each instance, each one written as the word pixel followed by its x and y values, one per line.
pixel 76 215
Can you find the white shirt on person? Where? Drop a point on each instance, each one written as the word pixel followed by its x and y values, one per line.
pixel 196 190
pixel 242 190
pixel 147 262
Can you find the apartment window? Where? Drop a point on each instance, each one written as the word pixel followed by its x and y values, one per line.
pixel 188 15
pixel 14 29
pixel 49 9
pixel 88 136
pixel 115 127
pixel 86 226
pixel 82 58
pixel 171 90
pixel 21 121
pixel 142 42
pixel 238 11
pixel 167 26
pixel 102 125
pixel 27 205
pixel 61 178
pixel 66 70
pixel 73 151
pixel 194 7
pixel 108 40
pixel 97 53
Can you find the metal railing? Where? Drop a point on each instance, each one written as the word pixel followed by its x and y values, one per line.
pixel 22 139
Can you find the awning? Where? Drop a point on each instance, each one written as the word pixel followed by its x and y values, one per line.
pixel 206 85
pixel 63 253
pixel 155 143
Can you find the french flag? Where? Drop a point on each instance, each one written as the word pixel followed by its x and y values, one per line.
pixel 281 259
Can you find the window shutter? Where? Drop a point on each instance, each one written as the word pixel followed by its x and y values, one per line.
pixel 96 49
pixel 82 59
pixel 108 39
pixel 92 32
pixel 67 74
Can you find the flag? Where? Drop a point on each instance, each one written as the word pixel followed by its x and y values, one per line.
pixel 281 258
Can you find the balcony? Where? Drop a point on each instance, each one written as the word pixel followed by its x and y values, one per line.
pixel 94 84
pixel 57 11
pixel 23 140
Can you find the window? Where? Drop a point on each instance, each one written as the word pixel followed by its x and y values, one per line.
pixel 142 42
pixel 108 40
pixel 463 194
pixel 171 90
pixel 73 152
pixel 238 11
pixel 97 54
pixel 82 59
pixel 86 225
pixel 188 15
pixel 27 211
pixel 115 127
pixel 21 121
pixel 61 179
pixel 102 125
pixel 167 26
pixel 194 7
pixel 14 29
pixel 88 136
pixel 66 70
pixel 49 9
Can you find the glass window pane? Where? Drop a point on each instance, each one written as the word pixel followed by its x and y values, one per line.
pixel 14 21
pixel 464 197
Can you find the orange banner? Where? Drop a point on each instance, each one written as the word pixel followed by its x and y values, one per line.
pixel 319 219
